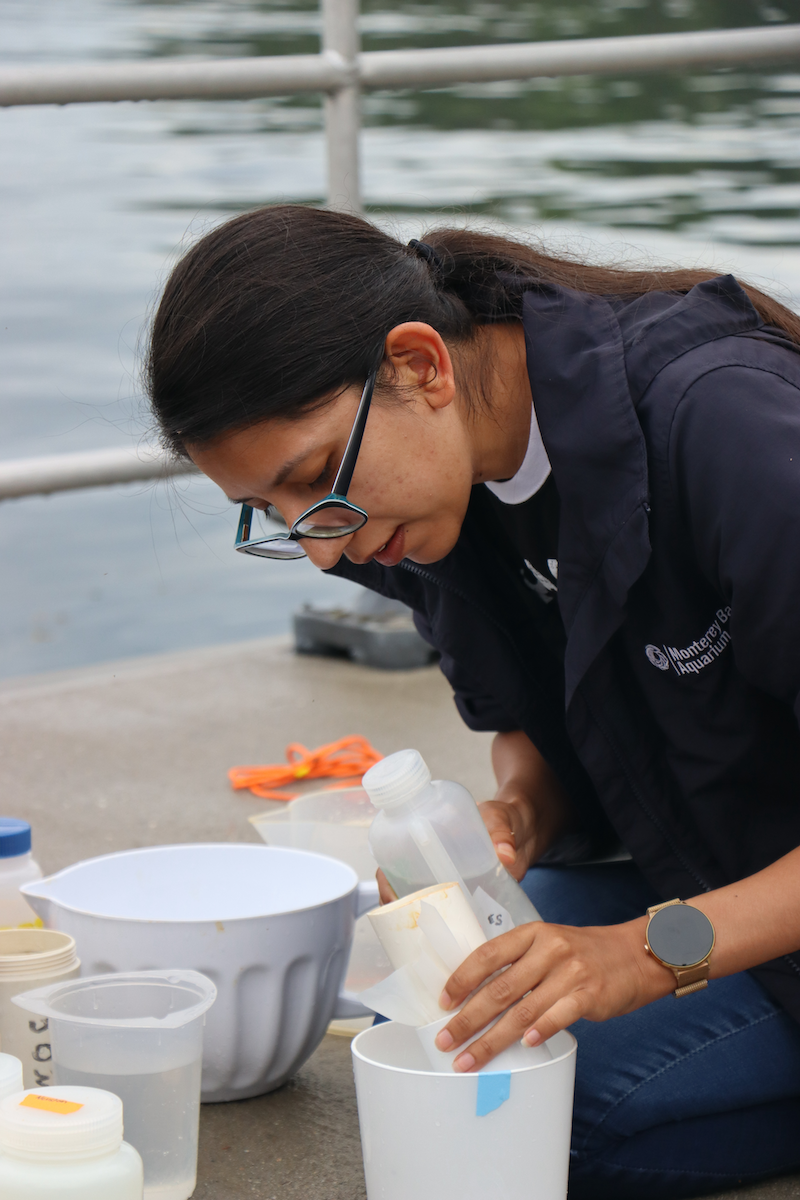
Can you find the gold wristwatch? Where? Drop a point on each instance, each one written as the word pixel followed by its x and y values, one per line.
pixel 681 937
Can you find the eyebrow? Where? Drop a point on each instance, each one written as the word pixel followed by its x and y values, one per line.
pixel 282 475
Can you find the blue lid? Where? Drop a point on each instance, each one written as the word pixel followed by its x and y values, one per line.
pixel 15 837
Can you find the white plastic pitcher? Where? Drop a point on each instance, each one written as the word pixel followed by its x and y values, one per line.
pixel 271 927
pixel 428 1135
pixel 140 1036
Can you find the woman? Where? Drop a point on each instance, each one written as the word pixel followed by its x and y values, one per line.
pixel 586 483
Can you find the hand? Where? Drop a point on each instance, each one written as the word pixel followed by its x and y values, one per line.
pixel 386 892
pixel 530 808
pixel 512 830
pixel 556 974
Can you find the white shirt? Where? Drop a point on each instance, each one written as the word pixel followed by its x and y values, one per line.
pixel 531 475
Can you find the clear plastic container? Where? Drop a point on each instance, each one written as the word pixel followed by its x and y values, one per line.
pixel 17 866
pixel 66 1144
pixel 10 1075
pixel 139 1035
pixel 31 958
pixel 334 822
pixel 431 831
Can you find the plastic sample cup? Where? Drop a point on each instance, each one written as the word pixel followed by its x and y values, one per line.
pixel 428 1134
pixel 31 958
pixel 139 1035
pixel 66 1144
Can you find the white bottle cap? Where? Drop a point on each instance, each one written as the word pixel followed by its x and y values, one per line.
pixel 396 778
pixel 63 1122
pixel 10 1075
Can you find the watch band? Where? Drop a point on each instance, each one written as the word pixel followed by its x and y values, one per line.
pixel 689 979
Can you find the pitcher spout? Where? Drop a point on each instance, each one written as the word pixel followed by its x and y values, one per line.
pixel 41 903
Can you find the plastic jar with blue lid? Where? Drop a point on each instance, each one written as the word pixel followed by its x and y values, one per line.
pixel 17 866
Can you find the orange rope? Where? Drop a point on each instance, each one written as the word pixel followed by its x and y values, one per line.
pixel 348 758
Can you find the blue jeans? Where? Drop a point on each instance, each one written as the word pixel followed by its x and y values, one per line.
pixel 682 1097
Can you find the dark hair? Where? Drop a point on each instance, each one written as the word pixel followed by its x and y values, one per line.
pixel 279 310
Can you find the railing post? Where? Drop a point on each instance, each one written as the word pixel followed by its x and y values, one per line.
pixel 342 106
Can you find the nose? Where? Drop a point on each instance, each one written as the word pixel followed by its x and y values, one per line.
pixel 325 552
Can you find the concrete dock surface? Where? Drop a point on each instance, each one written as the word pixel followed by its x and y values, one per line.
pixel 136 753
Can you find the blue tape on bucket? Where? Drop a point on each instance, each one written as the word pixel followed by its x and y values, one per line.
pixel 494 1088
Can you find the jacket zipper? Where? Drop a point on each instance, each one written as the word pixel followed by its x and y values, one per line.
pixel 456 591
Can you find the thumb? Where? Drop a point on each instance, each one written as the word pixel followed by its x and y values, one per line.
pixel 497 819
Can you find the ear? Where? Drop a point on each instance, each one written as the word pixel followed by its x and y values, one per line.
pixel 422 362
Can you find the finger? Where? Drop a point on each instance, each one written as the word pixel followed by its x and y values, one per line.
pixel 475 1055
pixel 500 952
pixel 505 849
pixel 561 1015
pixel 386 892
pixel 497 819
pixel 513 987
pixel 544 1012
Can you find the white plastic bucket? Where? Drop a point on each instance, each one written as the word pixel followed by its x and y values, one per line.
pixel 428 1135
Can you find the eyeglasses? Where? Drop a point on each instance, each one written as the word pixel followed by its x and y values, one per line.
pixel 333 517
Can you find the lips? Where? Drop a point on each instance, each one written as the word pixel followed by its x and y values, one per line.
pixel 390 554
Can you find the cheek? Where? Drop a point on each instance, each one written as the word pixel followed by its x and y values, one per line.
pixel 414 473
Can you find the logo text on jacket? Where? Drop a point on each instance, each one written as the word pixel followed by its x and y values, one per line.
pixel 703 651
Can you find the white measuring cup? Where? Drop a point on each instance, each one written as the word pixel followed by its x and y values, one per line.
pixel 140 1036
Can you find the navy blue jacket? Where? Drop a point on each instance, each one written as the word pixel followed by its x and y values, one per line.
pixel 672 424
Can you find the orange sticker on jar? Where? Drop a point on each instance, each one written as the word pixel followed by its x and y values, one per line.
pixel 50 1104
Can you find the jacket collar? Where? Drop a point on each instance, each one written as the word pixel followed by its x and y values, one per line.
pixel 584 392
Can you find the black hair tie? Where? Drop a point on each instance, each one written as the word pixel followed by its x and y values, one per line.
pixel 431 257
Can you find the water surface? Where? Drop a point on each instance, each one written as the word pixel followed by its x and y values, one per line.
pixel 96 201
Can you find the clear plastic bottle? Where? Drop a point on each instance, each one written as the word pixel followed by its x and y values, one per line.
pixel 65 1143
pixel 431 831
pixel 17 866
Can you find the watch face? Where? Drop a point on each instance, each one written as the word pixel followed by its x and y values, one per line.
pixel 680 935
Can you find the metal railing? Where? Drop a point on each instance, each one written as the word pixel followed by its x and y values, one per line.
pixel 89 468
pixel 341 72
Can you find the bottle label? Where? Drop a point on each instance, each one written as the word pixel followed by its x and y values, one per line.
pixel 493 917
pixel 50 1104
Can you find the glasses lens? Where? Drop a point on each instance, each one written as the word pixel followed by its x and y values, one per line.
pixel 275 548
pixel 265 540
pixel 330 522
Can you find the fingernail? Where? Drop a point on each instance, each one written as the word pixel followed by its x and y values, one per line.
pixel 445 1039
pixel 464 1062
pixel 445 1001
pixel 531 1038
pixel 505 850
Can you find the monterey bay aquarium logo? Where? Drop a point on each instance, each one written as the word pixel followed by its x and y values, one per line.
pixel 691 660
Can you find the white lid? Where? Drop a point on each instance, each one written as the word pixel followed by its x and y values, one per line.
pixel 70 1122
pixel 10 1075
pixel 396 778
